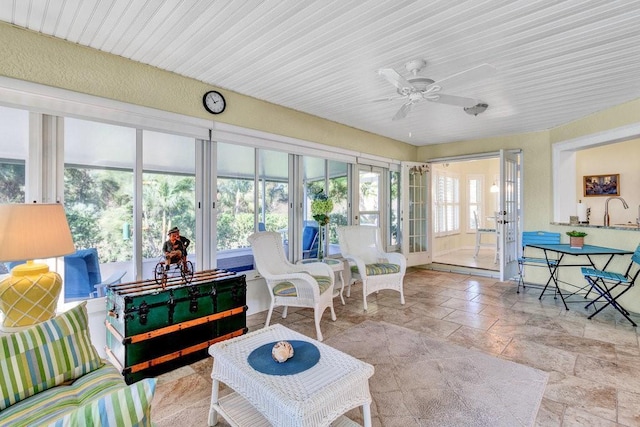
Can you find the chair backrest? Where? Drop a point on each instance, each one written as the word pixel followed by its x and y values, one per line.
pixel 262 227
pixel 475 220
pixel 540 237
pixel 268 253
pixel 361 241
pixel 310 241
pixel 81 273
pixel 636 256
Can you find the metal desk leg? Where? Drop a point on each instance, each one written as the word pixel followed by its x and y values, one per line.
pixel 553 271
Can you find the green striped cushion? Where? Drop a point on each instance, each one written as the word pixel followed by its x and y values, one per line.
pixel 46 355
pixel 128 406
pixel 378 268
pixel 288 289
pixel 54 403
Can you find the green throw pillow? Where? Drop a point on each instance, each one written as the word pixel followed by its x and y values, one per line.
pixel 46 355
pixel 128 406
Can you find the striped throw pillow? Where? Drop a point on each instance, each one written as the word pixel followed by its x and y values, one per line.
pixel 128 406
pixel 46 355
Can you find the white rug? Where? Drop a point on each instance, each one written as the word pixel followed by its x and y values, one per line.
pixel 424 381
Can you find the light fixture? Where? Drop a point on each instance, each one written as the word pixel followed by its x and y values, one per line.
pixel 31 231
pixel 494 188
pixel 476 109
pixel 421 169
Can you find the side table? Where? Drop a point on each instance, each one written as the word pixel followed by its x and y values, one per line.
pixel 337 266
pixel 315 397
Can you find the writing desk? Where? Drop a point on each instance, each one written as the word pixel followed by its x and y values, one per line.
pixel 556 253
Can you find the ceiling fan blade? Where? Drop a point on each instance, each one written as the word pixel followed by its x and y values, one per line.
pixel 403 111
pixel 388 98
pixel 453 100
pixel 472 74
pixel 394 78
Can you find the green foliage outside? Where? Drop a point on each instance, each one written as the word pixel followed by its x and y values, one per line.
pixel 12 180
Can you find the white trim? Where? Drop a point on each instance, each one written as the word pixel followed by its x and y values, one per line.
pixel 62 102
pixel 55 101
pixel 563 158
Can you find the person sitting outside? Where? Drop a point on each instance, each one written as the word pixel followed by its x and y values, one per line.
pixel 175 249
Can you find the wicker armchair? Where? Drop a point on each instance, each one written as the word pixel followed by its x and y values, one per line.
pixel 309 285
pixel 362 247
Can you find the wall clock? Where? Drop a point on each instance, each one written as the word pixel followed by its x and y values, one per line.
pixel 214 102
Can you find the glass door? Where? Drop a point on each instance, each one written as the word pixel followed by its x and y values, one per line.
pixel 370 190
pixel 508 218
pixel 415 213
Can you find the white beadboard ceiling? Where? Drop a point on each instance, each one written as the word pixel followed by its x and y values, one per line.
pixel 556 61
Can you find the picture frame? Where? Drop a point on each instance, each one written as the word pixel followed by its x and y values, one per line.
pixel 601 185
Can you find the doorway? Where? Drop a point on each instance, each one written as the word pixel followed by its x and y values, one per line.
pixel 465 202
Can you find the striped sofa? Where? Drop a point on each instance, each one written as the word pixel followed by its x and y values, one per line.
pixel 51 375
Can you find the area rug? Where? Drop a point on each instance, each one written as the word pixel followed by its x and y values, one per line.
pixel 424 381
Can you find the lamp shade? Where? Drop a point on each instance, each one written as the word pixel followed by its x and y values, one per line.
pixel 34 231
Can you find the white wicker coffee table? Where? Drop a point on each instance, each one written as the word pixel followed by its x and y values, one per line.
pixel 318 396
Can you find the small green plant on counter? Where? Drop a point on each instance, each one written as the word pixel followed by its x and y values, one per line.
pixel 574 233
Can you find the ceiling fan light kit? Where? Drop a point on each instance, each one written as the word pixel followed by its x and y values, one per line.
pixel 417 88
pixel 476 109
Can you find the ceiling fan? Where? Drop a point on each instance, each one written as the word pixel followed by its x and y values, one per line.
pixel 417 88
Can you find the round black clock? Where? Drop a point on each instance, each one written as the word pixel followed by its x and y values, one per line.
pixel 214 102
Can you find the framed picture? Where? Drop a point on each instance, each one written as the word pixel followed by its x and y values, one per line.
pixel 602 185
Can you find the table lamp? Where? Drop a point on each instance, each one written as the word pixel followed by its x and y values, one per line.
pixel 29 295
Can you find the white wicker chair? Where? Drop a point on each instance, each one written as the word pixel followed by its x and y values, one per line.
pixel 308 285
pixel 362 247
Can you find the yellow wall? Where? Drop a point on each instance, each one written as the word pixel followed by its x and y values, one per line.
pixel 620 158
pixel 29 56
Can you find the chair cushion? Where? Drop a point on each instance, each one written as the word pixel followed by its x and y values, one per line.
pixel 128 406
pixel 288 289
pixel 378 268
pixel 46 355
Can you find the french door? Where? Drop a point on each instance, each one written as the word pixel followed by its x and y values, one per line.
pixel 415 215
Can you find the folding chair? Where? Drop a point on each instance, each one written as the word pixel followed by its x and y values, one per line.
pixel 532 237
pixel 605 282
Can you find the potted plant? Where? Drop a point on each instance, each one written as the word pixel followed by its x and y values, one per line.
pixel 576 238
pixel 321 207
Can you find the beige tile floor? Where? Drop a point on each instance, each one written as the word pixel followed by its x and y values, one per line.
pixel 594 365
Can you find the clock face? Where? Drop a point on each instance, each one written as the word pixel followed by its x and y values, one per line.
pixel 214 102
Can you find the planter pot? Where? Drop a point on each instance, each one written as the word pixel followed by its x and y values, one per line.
pixel 576 242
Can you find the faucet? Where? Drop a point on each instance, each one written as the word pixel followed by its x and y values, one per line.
pixel 606 208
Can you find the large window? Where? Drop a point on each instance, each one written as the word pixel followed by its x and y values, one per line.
pixel 394 208
pixel 98 194
pixel 168 194
pixel 14 143
pixel 475 188
pixel 446 202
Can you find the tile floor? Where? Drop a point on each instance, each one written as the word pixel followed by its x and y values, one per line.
pixel 594 365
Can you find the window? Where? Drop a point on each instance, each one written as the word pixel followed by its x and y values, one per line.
pixel 236 206
pixel 446 202
pixel 14 143
pixel 168 194
pixel 475 202
pixel 98 189
pixel 394 208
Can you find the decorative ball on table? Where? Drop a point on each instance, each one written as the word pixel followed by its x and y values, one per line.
pixel 282 351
